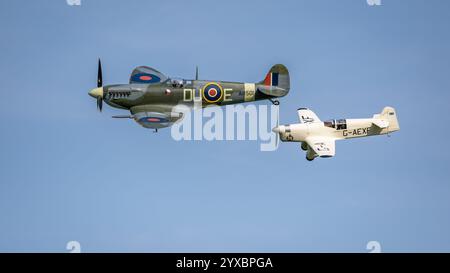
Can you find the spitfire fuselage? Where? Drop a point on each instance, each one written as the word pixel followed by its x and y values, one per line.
pixel 127 96
pixel 152 97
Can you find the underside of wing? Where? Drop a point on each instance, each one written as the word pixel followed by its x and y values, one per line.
pixel 323 147
pixel 145 74
pixel 307 116
pixel 155 116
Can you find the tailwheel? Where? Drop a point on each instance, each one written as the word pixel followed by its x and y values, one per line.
pixel 274 102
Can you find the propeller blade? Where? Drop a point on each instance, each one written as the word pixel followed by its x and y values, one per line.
pixel 99 103
pixel 196 73
pixel 99 74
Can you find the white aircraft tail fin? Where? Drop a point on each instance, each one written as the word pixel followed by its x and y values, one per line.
pixel 389 114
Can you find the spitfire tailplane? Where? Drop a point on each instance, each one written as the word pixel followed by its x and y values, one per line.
pixel 276 83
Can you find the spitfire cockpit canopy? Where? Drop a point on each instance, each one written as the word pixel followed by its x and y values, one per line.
pixel 176 82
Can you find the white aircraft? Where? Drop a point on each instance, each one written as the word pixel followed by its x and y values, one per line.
pixel 318 138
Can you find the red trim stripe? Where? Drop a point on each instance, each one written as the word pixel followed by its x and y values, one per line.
pixel 268 79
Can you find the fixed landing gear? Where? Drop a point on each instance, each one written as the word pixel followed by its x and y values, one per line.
pixel 310 155
pixel 156 130
pixel 304 146
pixel 274 102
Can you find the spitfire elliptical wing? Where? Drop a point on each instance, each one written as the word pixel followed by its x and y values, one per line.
pixel 323 147
pixel 155 116
pixel 148 75
pixel 307 116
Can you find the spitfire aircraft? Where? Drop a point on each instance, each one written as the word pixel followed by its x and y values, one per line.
pixel 151 96
pixel 318 138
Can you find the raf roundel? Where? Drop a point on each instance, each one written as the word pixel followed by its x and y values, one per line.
pixel 153 120
pixel 150 120
pixel 212 92
pixel 145 78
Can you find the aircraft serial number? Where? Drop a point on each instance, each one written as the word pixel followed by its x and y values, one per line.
pixel 356 132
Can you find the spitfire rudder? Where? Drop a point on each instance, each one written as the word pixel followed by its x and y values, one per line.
pixel 276 82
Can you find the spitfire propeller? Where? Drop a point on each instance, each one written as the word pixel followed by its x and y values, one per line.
pixel 98 92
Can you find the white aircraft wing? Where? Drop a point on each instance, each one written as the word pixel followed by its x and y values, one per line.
pixel 380 123
pixel 307 116
pixel 323 147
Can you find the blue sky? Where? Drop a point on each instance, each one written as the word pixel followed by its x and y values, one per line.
pixel 71 173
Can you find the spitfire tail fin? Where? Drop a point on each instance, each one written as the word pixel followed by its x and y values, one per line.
pixel 277 82
pixel 389 114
